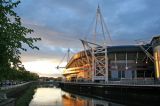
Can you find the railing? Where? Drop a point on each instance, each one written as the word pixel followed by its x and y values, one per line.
pixel 133 82
pixel 129 82
pixel 13 86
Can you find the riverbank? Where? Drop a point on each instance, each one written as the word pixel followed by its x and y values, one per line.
pixel 15 93
pixel 25 99
pixel 136 95
pixel 27 96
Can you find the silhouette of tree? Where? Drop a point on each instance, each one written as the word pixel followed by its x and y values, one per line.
pixel 12 36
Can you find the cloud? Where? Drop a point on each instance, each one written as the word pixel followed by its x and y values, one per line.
pixel 61 23
pixel 134 18
pixel 54 45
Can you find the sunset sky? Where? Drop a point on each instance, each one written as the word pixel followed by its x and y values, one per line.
pixel 61 23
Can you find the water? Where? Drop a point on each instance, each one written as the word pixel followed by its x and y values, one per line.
pixel 56 97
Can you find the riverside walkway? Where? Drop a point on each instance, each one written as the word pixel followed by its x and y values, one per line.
pixel 6 87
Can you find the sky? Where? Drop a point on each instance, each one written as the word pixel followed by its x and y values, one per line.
pixel 61 23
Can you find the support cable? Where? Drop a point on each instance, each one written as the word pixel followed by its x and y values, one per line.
pixel 85 52
pixel 101 22
pixel 146 51
pixel 61 61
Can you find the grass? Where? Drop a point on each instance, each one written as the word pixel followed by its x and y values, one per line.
pixel 25 99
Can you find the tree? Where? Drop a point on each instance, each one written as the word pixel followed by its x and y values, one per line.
pixel 12 36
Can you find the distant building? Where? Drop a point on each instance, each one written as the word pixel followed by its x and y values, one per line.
pixel 124 62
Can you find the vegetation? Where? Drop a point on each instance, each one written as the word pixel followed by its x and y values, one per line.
pixel 12 37
pixel 25 99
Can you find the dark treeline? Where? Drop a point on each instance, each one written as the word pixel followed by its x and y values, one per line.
pixel 12 37
pixel 20 75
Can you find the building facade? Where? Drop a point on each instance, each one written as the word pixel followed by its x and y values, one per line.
pixel 124 62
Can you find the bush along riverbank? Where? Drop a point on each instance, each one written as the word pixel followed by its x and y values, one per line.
pixel 25 99
pixel 17 93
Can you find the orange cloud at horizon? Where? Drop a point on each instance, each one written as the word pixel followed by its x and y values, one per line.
pixel 46 68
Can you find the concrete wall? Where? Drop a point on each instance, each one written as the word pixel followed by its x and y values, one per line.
pixel 148 95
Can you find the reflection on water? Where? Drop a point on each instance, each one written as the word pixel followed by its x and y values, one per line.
pixel 47 97
pixel 57 97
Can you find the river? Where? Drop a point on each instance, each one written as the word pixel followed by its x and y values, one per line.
pixel 52 96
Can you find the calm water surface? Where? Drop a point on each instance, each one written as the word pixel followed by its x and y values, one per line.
pixel 56 97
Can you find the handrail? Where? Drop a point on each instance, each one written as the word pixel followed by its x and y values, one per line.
pixel 149 82
pixel 13 86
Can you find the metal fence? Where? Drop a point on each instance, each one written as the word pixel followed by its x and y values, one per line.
pixel 129 82
pixel 13 86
